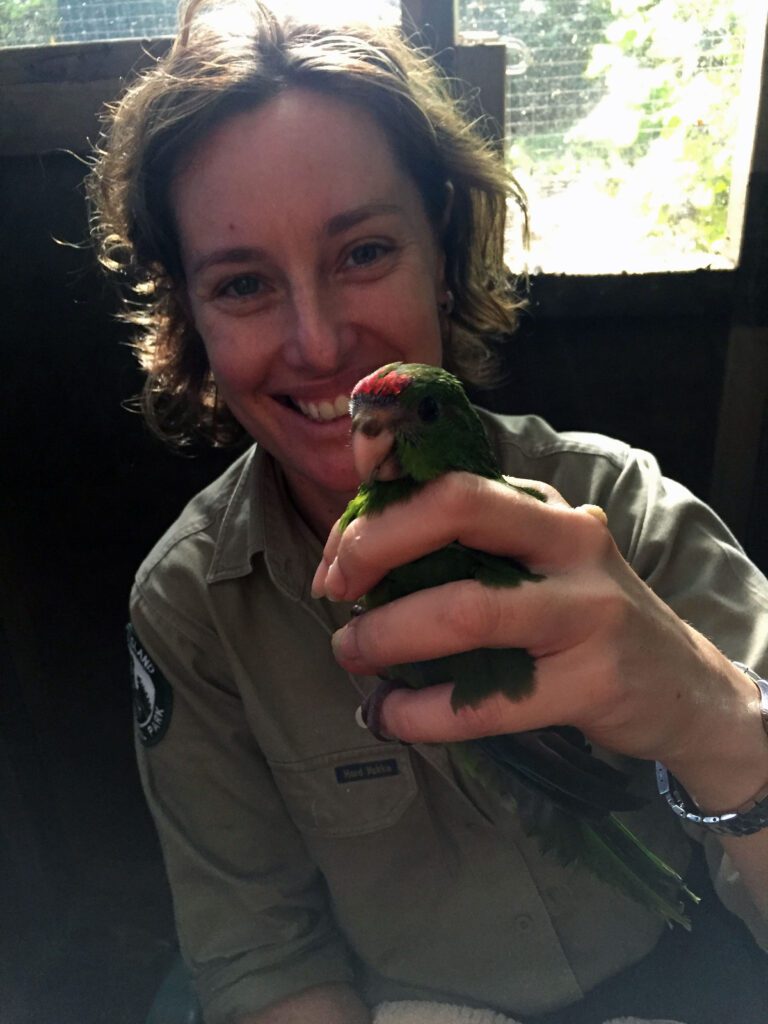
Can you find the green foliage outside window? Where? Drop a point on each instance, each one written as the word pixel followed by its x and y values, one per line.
pixel 27 22
pixel 661 81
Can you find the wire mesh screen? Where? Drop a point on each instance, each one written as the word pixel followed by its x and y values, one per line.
pixel 41 22
pixel 622 124
pixel 549 50
pixel 115 19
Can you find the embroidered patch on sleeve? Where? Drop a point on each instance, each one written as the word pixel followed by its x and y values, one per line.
pixel 152 693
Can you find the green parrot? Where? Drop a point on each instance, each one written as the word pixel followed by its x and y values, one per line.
pixel 410 424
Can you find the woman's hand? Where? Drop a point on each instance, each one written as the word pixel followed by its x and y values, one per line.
pixel 611 658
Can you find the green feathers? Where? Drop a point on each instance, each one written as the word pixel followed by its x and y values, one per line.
pixel 410 424
pixel 417 420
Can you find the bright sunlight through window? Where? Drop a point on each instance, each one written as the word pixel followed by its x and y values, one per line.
pixel 629 125
pixel 42 22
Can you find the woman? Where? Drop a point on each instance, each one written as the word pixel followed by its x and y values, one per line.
pixel 297 207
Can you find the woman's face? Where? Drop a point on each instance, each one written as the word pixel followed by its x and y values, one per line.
pixel 309 262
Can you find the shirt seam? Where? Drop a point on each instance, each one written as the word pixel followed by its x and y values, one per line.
pixel 185 625
pixel 571 448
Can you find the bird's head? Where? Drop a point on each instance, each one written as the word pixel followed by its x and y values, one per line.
pixel 413 420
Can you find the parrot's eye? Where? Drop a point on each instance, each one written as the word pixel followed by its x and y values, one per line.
pixel 428 410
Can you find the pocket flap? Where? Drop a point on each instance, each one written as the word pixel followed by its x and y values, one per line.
pixel 349 793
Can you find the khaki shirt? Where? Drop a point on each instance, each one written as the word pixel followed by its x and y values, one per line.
pixel 299 849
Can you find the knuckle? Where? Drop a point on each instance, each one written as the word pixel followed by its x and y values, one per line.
pixel 458 495
pixel 588 539
pixel 402 718
pixel 596 538
pixel 611 609
pixel 551 494
pixel 472 614
pixel 373 638
pixel 353 550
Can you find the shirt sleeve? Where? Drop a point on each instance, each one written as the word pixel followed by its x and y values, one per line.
pixel 251 908
pixel 687 555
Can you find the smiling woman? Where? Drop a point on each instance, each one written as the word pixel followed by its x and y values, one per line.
pixel 294 206
pixel 399 99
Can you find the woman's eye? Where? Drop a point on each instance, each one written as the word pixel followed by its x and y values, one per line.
pixel 368 252
pixel 242 286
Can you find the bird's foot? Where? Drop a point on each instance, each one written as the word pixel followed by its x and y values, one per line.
pixel 368 715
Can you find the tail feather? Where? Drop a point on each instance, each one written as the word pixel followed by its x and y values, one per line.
pixel 600 842
pixel 631 867
pixel 558 763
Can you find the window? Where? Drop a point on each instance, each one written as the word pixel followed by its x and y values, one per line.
pixel 42 22
pixel 629 125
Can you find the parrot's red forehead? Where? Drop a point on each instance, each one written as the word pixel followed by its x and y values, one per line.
pixel 381 385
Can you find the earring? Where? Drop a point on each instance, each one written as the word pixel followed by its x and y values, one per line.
pixel 446 303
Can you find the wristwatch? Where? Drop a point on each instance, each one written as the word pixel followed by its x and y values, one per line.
pixel 745 820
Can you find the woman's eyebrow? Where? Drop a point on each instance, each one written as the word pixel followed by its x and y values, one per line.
pixel 351 218
pixel 339 223
pixel 235 254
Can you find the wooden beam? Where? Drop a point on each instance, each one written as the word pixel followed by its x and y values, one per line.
pixel 740 474
pixel 50 96
pixel 483 68
pixel 432 23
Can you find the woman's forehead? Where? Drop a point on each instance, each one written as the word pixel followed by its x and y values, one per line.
pixel 297 129
pixel 302 154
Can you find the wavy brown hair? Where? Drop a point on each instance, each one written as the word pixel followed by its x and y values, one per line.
pixel 228 60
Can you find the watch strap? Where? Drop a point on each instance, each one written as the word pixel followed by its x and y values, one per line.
pixel 745 820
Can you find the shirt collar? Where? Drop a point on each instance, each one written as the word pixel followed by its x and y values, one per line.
pixel 261 521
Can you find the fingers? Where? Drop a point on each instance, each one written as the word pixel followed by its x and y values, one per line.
pixel 545 617
pixel 426 716
pixel 485 514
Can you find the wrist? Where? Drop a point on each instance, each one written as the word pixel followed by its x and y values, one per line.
pixel 719 750
pixel 717 783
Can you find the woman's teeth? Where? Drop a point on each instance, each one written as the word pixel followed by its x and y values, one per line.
pixel 325 411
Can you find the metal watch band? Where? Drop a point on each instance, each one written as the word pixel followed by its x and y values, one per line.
pixel 745 821
pixel 762 686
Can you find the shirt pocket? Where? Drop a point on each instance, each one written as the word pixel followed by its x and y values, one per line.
pixel 350 793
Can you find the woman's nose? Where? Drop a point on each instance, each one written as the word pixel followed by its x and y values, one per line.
pixel 316 330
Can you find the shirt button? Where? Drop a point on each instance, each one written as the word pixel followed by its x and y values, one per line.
pixel 523 922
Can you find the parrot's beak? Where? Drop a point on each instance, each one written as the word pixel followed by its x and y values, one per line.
pixel 373 447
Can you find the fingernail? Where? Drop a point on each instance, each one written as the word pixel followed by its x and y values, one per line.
pixel 595 511
pixel 344 643
pixel 318 580
pixel 335 584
